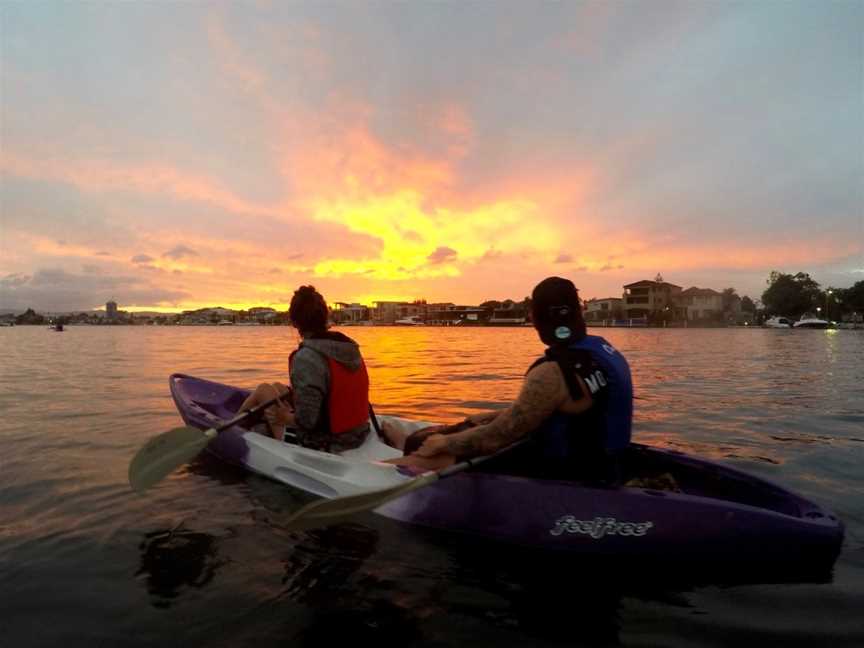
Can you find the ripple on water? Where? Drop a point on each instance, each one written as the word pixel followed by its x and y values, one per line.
pixel 203 557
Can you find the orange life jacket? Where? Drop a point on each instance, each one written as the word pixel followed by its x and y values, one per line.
pixel 348 398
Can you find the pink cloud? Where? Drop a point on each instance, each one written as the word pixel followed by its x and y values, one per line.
pixel 97 175
pixel 443 254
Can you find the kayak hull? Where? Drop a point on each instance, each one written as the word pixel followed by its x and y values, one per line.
pixel 204 404
pixel 721 514
pixel 563 517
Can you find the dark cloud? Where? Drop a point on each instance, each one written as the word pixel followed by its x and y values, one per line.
pixel 51 277
pixel 142 258
pixel 14 280
pixel 55 289
pixel 179 251
pixel 442 254
pixel 274 271
pixel 103 253
pixel 564 258
pixel 89 268
pixel 72 217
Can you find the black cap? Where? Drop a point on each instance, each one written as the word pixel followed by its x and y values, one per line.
pixel 557 311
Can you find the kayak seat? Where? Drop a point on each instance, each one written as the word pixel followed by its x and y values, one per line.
pixel 646 465
pixel 334 466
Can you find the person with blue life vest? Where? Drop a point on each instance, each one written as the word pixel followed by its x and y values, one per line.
pixel 327 405
pixel 576 403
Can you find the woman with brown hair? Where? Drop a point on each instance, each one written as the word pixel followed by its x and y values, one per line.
pixel 327 405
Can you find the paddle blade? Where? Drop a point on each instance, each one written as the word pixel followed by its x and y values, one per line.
pixel 164 453
pixel 325 512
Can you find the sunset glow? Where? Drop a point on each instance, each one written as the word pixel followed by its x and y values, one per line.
pixel 389 152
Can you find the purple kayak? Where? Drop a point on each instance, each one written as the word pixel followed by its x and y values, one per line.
pixel 718 513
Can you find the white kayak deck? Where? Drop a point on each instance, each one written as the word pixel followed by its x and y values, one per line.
pixel 325 474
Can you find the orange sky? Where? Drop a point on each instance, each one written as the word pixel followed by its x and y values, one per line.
pixel 255 151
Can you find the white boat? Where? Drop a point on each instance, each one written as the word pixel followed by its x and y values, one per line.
pixel 811 322
pixel 226 323
pixel 778 322
pixel 412 320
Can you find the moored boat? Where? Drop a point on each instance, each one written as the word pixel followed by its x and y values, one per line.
pixel 412 320
pixel 778 322
pixel 716 514
pixel 809 321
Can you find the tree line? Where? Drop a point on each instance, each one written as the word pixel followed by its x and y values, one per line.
pixel 794 295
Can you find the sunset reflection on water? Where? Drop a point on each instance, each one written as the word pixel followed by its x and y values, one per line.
pixel 784 405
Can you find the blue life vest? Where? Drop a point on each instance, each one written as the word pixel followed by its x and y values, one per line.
pixel 585 443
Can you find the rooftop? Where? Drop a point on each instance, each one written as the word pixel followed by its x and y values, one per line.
pixel 649 282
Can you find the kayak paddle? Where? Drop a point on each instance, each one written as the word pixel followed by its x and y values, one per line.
pixel 166 452
pixel 325 512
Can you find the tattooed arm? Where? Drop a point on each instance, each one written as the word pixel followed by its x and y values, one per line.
pixel 543 392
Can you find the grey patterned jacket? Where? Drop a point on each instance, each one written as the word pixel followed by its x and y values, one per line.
pixel 310 379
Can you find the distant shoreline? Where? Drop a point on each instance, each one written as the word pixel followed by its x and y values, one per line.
pixel 847 326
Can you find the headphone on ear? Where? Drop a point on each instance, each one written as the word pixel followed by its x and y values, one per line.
pixel 561 317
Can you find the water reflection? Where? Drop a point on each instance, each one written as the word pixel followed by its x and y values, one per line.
pixel 581 602
pixel 326 570
pixel 323 561
pixel 173 559
pixel 794 397
pixel 391 583
pixel 209 466
pixel 410 375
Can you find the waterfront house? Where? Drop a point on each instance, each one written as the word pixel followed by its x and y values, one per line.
pixel 262 313
pixel 353 313
pixel 450 314
pixel 646 298
pixel 607 308
pixel 387 312
pixel 509 314
pixel 701 303
pixel 207 315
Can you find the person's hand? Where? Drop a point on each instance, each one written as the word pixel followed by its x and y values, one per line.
pixel 434 444
pixel 279 415
pixel 482 418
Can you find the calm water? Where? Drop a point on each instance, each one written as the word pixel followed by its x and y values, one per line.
pixel 201 560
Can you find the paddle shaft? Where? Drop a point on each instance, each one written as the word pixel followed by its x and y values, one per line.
pixel 259 408
pixel 330 511
pixel 476 461
pixel 469 463
pixel 242 416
